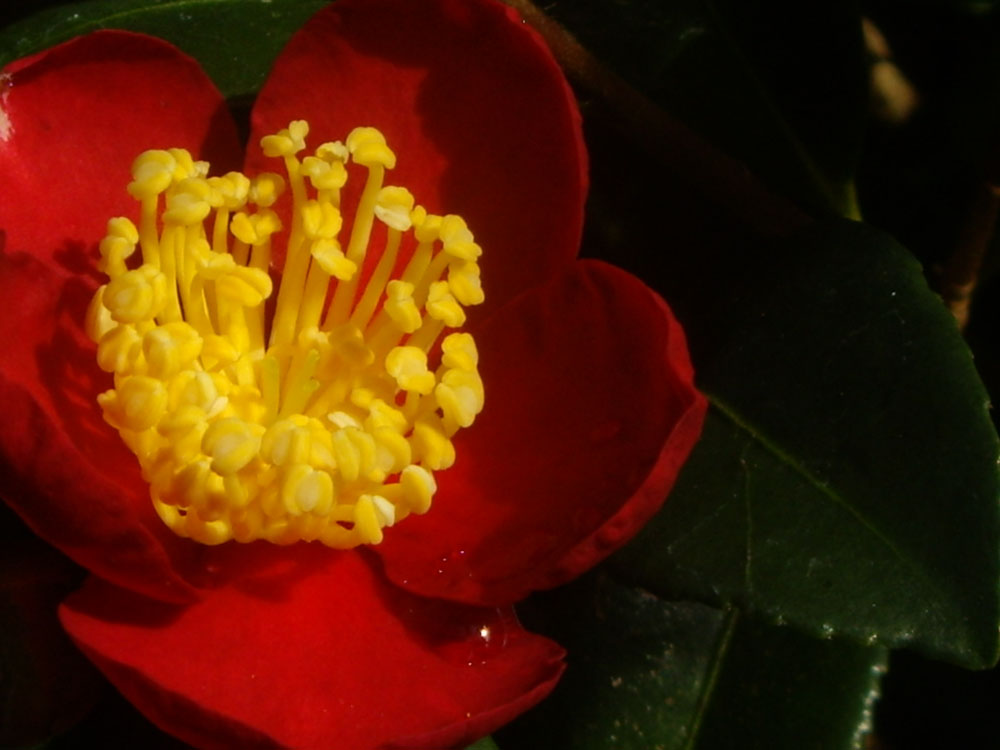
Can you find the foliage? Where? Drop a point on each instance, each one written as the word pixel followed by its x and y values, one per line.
pixel 843 499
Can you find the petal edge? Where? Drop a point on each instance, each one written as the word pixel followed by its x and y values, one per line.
pixel 590 412
pixel 313 650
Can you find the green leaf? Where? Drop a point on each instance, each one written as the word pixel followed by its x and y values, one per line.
pixel 638 669
pixel 847 479
pixel 780 689
pixel 777 84
pixel 647 674
pixel 486 743
pixel 235 40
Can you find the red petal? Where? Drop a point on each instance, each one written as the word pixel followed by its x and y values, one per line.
pixel 590 413
pixel 75 118
pixel 472 102
pixel 314 651
pixel 62 468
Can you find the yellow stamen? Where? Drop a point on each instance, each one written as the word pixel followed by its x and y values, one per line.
pixel 325 423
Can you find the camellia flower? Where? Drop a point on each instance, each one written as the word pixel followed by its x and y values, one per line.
pixel 322 504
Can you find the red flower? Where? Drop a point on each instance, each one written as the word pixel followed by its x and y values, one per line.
pixel 590 407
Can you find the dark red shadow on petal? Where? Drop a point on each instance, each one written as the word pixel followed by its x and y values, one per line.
pixel 472 102
pixel 341 659
pixel 64 470
pixel 47 684
pixel 590 412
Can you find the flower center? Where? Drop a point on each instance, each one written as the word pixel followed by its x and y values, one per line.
pixel 324 420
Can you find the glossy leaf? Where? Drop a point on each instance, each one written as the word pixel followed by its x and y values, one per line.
pixel 647 673
pixel 778 689
pixel 235 40
pixel 773 83
pixel 847 478
pixel 639 669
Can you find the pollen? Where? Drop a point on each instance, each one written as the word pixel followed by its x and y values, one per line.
pixel 312 407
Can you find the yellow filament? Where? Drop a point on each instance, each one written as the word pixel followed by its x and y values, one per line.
pixel 311 426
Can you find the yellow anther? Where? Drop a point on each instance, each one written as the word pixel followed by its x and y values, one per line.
pixel 306 490
pixel 218 349
pixel 244 228
pixel 216 188
pixel 188 205
pixel 135 296
pixel 465 283
pixel 408 365
pixel 368 148
pixel 460 396
pixel 199 254
pixel 255 229
pixel 333 151
pixel 266 188
pixel 124 228
pixel 152 173
pixel 363 398
pixel 393 206
pixel 342 419
pixel 321 449
pixel 198 389
pixel 320 220
pixel 170 348
pixel 385 511
pixel 380 415
pixel 114 251
pixel 349 343
pixel 117 246
pixel 330 431
pixel 347 453
pixel 98 321
pixel 392 451
pixel 298 130
pixel 288 441
pixel 400 306
pixel 278 144
pixel 215 266
pixel 441 305
pixel 457 239
pixel 136 404
pixel 184 164
pixel 417 218
pixel 286 142
pixel 329 256
pixel 418 488
pixel 229 191
pixel 247 286
pixel 231 443
pixel 458 352
pixel 119 349
pixel 208 532
pixel 366 521
pixel 426 228
pixel 430 444
pixel 324 174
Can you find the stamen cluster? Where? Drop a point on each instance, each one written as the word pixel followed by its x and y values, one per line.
pixel 324 420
